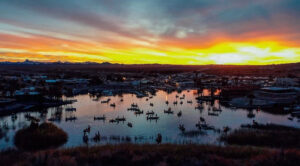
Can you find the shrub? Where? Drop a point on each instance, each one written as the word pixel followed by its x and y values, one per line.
pixel 36 137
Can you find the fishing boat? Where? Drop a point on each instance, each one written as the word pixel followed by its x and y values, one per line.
pixel 150 113
pixel 152 117
pixel 105 101
pixel 169 111
pixel 133 109
pixel 53 119
pixel 100 117
pixel 72 118
pixel 138 112
pixel 213 114
pixel 121 119
pixel 204 126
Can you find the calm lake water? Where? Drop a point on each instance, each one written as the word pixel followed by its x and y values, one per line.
pixel 143 131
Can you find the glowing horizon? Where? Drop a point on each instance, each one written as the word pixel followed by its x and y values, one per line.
pixel 196 32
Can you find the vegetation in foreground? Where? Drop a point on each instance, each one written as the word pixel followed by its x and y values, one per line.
pixel 165 154
pixel 269 135
pixel 36 137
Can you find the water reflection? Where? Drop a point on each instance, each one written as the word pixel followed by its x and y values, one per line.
pixel 140 127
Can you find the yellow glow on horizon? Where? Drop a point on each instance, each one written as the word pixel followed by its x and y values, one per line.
pixel 237 53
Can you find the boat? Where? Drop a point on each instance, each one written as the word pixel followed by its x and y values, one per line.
pixel 213 114
pixel 134 105
pixel 179 114
pixel 204 126
pixel 198 125
pixel 202 119
pixel 216 109
pixel 181 128
pixel 133 109
pixel 150 113
pixel 226 129
pixel 31 118
pixel 250 115
pixel 138 112
pixel 70 109
pixel 105 101
pixel 100 117
pixel 152 117
pixel 97 137
pixel 85 138
pixel 199 107
pixel 53 119
pixel 175 102
pixel 181 102
pixel 14 117
pixel 167 102
pixel 151 104
pixel 129 124
pixel 121 119
pixel 190 101
pixel 112 121
pixel 113 105
pixel 73 118
pixel 169 111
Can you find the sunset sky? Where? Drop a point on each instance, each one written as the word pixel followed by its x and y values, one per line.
pixel 151 31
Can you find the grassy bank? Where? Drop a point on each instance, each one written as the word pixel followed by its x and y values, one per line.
pixel 269 135
pixel 129 154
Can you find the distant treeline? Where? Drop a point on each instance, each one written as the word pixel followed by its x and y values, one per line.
pixel 292 70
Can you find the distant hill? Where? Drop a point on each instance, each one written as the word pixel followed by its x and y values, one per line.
pixel 258 70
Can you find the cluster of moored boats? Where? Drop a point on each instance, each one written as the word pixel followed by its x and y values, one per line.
pixel 150 115
pixel 202 125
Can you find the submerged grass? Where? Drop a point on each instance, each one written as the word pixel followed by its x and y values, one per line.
pixel 269 135
pixel 165 154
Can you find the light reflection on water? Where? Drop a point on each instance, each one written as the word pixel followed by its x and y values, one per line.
pixel 145 130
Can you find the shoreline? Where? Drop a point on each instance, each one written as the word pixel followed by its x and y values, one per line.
pixel 146 154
